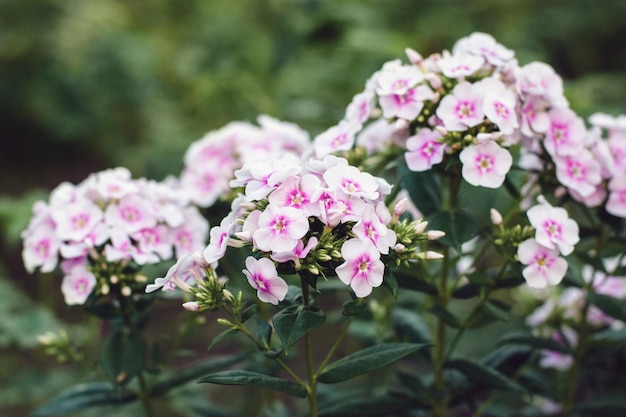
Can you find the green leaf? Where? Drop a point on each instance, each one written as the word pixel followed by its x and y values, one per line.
pixel 353 308
pixel 175 378
pixel 255 379
pixel 294 322
pixel 608 337
pixel 459 226
pixel 410 280
pixel 612 306
pixel 222 336
pixel 423 188
pixel 533 341
pixel 367 360
pixel 84 396
pixel 123 355
pixel 483 375
pixel 263 331
pixel 602 407
pixel 410 326
pixel 249 312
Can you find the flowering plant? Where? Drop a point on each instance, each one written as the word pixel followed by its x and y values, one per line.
pixel 524 207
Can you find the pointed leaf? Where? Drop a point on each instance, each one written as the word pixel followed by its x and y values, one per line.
pixel 423 188
pixel 353 308
pixel 222 336
pixel 459 226
pixel 367 360
pixel 263 331
pixel 294 322
pixel 123 355
pixel 534 341
pixel 255 379
pixel 84 396
pixel 175 378
pixel 411 281
pixel 483 375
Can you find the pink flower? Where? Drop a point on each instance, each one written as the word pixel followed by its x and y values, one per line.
pixel 131 214
pixel 191 235
pixel 484 45
pixel 280 228
pixel 218 240
pixel 554 229
pixel 580 172
pixel 298 192
pixel 77 285
pixel 352 181
pixel 543 265
pixel 616 204
pixel 424 150
pixel 369 227
pixel 539 79
pixel 41 248
pixel 187 270
pixel 485 164
pixel 77 220
pixel 499 105
pixel 299 252
pixel 362 270
pixel 338 207
pixel 263 277
pixel 336 138
pixel 361 107
pixel 566 133
pixel 555 359
pixel 462 109
pixel 113 184
pixel 460 65
pixel 154 240
pixel 405 106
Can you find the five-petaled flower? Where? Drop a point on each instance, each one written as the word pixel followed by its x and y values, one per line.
pixel 362 270
pixel 263 277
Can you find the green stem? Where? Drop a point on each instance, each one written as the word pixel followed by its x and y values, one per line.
pixel 311 388
pixel 332 350
pixel 440 406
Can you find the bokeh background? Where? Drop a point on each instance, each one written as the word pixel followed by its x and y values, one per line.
pixel 91 84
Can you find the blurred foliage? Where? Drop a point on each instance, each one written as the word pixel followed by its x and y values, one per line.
pixel 86 85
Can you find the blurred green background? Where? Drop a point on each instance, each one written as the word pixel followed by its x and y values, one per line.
pixel 91 84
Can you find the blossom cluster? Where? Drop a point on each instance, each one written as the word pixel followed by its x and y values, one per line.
pixel 317 218
pixel 475 102
pixel 211 161
pixel 98 227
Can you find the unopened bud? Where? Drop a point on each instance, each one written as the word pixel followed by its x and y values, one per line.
pixel 313 269
pixel 104 290
pixel 191 306
pixel 442 130
pixel 435 234
pixel 114 279
pixel 432 255
pixel 225 322
pixel 400 207
pixel 401 124
pixel 46 339
pixel 126 291
pixel 228 295
pixel 248 205
pixel 414 57
pixel 141 278
pixel 420 227
pixel 496 217
pixel 433 80
pixel 399 247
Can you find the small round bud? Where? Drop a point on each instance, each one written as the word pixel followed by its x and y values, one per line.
pixel 496 217
pixel 414 57
pixel 191 306
pixel 114 279
pixel 400 207
pixel 420 227
pixel 435 234
pixel 126 291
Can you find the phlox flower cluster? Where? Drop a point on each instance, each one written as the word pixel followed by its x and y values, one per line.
pixel 211 160
pixel 561 311
pixel 106 222
pixel 555 235
pixel 316 218
pixel 476 102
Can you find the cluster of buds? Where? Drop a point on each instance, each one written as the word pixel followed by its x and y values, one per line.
pixel 315 218
pixel 59 346
pixel 104 229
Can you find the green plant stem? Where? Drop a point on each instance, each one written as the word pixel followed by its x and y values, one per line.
pixel 440 406
pixel 332 350
pixel 579 353
pixel 144 392
pixel 311 388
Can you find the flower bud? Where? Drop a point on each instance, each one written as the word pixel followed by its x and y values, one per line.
pixel 414 57
pixel 496 217
pixel 191 306
pixel 400 206
pixel 420 227
pixel 399 247
pixel 228 295
pixel 114 279
pixel 435 234
pixel 442 130
pixel 104 290
pixel 313 269
pixel 432 255
pixel 126 291
pixel 141 278
pixel 433 80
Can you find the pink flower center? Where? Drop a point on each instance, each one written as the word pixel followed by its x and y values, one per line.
pixel 575 170
pixel 559 132
pixel 280 223
pixel 81 286
pixel 484 162
pixel 552 228
pixel 350 185
pixel 43 247
pixel 80 221
pixel 130 214
pixel 502 110
pixel 465 109
pixel 339 140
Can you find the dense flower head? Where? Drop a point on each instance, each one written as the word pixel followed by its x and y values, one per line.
pixel 317 217
pixel 211 161
pixel 110 218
